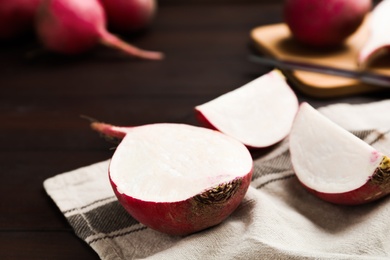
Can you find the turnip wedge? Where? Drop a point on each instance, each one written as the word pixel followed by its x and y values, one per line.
pixel 334 164
pixel 259 114
pixel 176 178
pixel 378 41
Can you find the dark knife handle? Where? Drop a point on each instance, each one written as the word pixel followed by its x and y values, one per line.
pixel 366 77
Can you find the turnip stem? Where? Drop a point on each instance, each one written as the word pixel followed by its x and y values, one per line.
pixel 112 41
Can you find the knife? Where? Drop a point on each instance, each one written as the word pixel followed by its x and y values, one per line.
pixel 363 76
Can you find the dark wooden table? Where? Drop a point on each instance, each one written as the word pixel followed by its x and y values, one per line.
pixel 43 97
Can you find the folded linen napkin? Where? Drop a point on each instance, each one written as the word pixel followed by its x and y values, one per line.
pixel 278 219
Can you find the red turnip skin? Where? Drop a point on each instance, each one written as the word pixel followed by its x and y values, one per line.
pixel 183 217
pixel 378 41
pixel 321 23
pixel 17 17
pixel 376 187
pixel 197 213
pixel 73 27
pixel 335 165
pixel 129 16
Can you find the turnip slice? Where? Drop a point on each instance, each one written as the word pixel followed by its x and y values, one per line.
pixel 259 114
pixel 334 164
pixel 176 178
pixel 378 41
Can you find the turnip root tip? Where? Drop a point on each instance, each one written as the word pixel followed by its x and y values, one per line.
pixel 334 164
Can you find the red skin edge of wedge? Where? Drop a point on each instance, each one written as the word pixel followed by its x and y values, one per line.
pixel 203 120
pixel 189 216
pixel 367 193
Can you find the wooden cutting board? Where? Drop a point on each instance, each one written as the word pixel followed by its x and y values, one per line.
pixel 275 41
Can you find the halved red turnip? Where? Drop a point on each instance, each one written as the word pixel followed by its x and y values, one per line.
pixel 378 41
pixel 259 114
pixel 334 164
pixel 178 179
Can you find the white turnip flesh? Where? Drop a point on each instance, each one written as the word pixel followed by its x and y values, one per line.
pixel 334 164
pixel 324 23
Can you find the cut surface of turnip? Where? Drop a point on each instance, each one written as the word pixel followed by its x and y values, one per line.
pixel 259 114
pixel 129 16
pixel 177 178
pixel 334 164
pixel 378 41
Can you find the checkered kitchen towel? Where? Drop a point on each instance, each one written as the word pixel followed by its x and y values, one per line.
pixel 278 219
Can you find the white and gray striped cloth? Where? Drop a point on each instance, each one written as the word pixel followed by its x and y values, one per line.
pixel 278 219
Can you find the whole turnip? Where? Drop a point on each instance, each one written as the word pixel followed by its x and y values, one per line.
pixel 129 16
pixel 17 17
pixel 324 23
pixel 74 26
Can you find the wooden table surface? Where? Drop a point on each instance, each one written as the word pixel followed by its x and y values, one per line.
pixel 44 96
